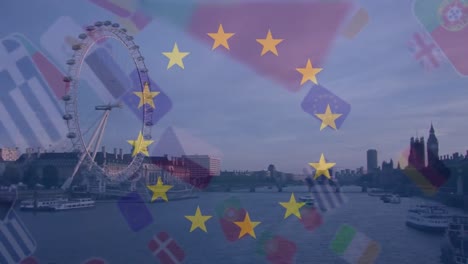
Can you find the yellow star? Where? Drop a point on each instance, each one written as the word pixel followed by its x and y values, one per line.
pixel 322 167
pixel 328 118
pixel 146 97
pixel 269 44
pixel 292 207
pixel 198 220
pixel 175 57
pixel 159 190
pixel 220 38
pixel 140 145
pixel 247 227
pixel 308 73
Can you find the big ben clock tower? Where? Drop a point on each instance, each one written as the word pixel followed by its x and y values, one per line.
pixel 432 148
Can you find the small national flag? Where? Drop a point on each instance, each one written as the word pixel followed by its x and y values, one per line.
pixel 135 212
pixel 52 75
pixel 276 249
pixel 317 100
pixel 357 23
pixel 30 114
pixel 354 247
pixel 326 196
pixel 16 243
pixel 447 22
pixel 310 218
pixel 228 212
pixel 426 52
pixel 428 179
pixel 166 249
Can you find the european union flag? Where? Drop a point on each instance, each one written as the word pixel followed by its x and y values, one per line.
pixel 318 98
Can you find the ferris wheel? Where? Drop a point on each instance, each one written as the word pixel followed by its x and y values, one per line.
pixel 87 150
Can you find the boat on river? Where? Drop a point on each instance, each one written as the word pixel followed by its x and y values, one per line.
pixel 56 204
pixel 391 198
pixel 430 218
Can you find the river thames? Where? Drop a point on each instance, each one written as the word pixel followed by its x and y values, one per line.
pixel 71 237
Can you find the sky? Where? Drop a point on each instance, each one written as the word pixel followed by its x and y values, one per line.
pixel 252 119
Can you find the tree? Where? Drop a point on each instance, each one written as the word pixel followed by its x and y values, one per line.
pixel 50 176
pixel 30 177
pixel 11 175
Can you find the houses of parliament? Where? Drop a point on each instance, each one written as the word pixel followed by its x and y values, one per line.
pixel 440 174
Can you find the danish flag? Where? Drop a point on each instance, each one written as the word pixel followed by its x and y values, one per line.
pixel 166 249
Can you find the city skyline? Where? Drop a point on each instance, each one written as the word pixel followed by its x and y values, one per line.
pixel 255 121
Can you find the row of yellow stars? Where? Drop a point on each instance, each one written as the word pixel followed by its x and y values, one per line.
pixel 221 39
pixel 246 227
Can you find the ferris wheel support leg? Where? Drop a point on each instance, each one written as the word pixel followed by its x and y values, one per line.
pixel 100 133
pixel 83 155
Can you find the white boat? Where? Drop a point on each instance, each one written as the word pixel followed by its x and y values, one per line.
pixel 391 198
pixel 308 200
pixel 432 218
pixel 75 204
pixel 57 204
pixel 455 247
pixel 41 204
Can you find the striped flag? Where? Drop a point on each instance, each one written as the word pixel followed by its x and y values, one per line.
pixel 326 197
pixel 30 114
pixel 16 243
pixel 325 194
pixel 354 247
pixel 166 249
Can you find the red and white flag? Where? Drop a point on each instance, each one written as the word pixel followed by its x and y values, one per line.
pixel 425 51
pixel 166 249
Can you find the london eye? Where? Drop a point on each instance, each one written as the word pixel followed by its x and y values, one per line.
pixel 87 150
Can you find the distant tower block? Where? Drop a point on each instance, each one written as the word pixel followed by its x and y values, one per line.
pixel 371 160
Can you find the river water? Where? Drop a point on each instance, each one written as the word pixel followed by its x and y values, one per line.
pixel 71 237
